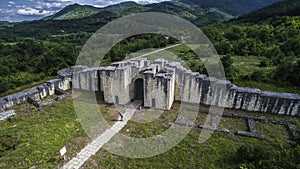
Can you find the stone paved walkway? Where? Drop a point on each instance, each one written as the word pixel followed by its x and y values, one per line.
pixel 95 145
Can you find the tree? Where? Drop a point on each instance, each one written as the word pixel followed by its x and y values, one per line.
pixel 257 156
pixel 287 71
pixel 227 64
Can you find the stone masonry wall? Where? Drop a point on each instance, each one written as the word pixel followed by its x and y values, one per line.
pixel 63 82
pixel 163 83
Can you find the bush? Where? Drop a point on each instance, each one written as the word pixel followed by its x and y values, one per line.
pixel 256 156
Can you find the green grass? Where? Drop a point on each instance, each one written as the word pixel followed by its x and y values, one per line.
pixel 268 86
pixel 35 135
pixel 216 152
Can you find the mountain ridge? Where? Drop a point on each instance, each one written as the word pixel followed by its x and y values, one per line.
pixel 210 10
pixel 77 11
pixel 233 7
pixel 282 8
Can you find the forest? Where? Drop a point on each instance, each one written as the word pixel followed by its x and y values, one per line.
pixel 274 43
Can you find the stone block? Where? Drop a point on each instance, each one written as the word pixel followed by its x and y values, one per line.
pixel 248 134
pixel 6 114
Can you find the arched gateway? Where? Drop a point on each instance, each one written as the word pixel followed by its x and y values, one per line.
pixel 139 89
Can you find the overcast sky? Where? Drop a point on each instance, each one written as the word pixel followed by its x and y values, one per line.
pixel 20 10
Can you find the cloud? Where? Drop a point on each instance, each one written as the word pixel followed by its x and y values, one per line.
pixel 11 3
pixel 148 1
pixel 103 3
pixel 6 11
pixel 63 1
pixel 54 5
pixel 34 12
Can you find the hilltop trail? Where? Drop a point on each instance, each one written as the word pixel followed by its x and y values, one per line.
pixel 159 50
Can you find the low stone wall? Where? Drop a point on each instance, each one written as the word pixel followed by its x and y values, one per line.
pixel 6 114
pixel 199 89
pixel 63 82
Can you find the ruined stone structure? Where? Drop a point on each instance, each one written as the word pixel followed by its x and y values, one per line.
pixel 158 84
pixel 51 87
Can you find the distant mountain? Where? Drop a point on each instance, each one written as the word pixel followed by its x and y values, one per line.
pixel 201 12
pixel 284 8
pixel 232 7
pixel 83 19
pixel 77 11
pixel 121 7
pixel 194 13
pixel 74 11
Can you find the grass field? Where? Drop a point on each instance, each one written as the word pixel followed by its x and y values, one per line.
pixel 24 87
pixel 245 69
pixel 35 135
pixel 244 66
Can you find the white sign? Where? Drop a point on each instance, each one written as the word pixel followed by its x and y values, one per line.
pixel 63 151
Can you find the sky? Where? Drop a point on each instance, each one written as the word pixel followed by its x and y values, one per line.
pixel 25 10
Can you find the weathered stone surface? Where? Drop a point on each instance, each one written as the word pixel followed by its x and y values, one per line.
pixel 251 125
pixel 183 119
pixel 61 97
pixel 67 73
pixel 214 128
pixel 33 101
pixel 163 82
pixel 38 103
pixel 45 102
pixel 248 134
pixel 6 114
pixel 293 130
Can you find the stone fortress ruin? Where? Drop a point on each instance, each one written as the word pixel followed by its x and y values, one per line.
pixel 158 84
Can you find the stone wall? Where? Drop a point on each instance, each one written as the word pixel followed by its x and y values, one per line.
pixel 163 83
pixel 63 82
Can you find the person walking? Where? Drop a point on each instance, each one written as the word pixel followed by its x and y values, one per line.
pixel 121 116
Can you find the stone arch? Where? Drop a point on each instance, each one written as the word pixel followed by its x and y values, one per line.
pixel 139 89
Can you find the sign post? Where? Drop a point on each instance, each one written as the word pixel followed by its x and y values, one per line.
pixel 63 152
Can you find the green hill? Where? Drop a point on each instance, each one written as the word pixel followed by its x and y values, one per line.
pixel 121 7
pixel 200 12
pixel 77 11
pixel 284 8
pixel 193 13
pixel 232 7
pixel 74 11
